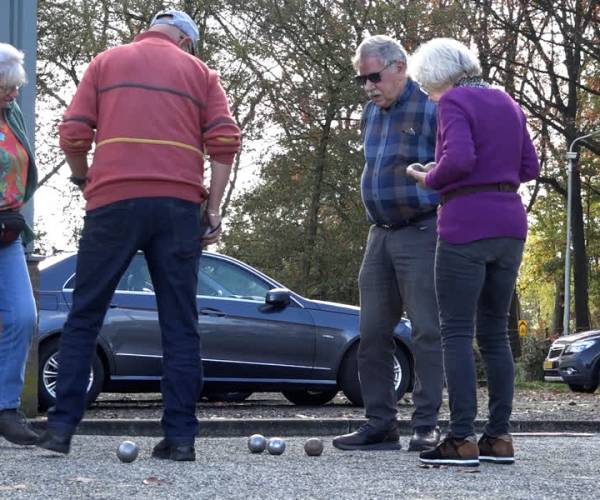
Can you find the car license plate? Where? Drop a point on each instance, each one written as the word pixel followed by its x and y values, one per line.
pixel 548 365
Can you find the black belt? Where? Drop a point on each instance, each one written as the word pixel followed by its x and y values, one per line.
pixel 502 187
pixel 411 221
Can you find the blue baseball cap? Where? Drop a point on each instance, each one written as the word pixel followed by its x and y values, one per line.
pixel 180 20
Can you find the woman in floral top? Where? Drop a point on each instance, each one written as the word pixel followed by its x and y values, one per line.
pixel 18 178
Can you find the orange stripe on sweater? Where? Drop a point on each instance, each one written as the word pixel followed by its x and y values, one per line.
pixel 149 141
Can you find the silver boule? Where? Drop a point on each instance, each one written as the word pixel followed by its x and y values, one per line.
pixel 127 451
pixel 257 443
pixel 276 446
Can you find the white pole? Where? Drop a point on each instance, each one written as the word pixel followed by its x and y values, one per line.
pixel 571 157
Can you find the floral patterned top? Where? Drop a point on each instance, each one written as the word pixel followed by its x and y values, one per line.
pixel 14 163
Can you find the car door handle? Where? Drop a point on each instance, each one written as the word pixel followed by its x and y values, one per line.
pixel 212 312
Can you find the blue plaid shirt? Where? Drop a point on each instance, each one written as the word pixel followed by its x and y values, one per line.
pixel 393 139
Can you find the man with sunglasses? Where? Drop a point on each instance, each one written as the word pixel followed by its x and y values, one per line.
pixel 154 111
pixel 398 128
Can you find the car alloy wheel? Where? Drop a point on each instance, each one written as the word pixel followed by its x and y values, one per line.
pixel 48 374
pixel 349 381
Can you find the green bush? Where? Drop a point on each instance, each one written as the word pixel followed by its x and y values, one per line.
pixel 534 352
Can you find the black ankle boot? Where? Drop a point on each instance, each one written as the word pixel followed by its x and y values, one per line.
pixel 54 440
pixel 15 428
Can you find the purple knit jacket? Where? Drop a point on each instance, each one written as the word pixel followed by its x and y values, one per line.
pixel 482 138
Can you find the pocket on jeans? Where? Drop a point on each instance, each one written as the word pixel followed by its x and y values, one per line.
pixel 187 227
pixel 107 226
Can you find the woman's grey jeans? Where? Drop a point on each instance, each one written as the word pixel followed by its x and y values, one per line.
pixel 474 287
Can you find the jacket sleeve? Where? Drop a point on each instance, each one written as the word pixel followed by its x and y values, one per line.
pixel 76 131
pixel 457 158
pixel 530 165
pixel 221 133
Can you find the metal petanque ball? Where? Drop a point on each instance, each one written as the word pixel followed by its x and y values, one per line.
pixel 257 443
pixel 127 451
pixel 276 446
pixel 313 447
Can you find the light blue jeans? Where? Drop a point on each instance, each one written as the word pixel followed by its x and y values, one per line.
pixel 17 322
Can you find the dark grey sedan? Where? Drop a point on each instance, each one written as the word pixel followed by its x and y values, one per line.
pixel 575 360
pixel 256 336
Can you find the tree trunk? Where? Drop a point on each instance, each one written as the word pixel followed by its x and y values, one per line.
pixel 514 315
pixel 559 302
pixel 315 201
pixel 580 263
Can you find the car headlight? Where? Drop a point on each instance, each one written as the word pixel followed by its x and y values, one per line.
pixel 579 346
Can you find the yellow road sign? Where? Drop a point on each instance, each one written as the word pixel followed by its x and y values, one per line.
pixel 522 328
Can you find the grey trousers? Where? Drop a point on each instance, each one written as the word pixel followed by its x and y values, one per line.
pixel 397 274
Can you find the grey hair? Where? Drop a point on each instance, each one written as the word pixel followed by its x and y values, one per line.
pixel 442 62
pixel 12 72
pixel 383 47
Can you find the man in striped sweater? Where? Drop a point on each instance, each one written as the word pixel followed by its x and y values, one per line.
pixel 153 111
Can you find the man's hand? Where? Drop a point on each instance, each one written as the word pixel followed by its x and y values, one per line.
pixel 213 232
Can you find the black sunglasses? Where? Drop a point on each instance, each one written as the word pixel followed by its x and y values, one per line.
pixel 372 77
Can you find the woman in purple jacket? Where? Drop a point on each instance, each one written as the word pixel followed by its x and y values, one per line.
pixel 483 154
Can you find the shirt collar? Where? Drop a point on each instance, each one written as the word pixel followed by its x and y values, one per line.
pixel 153 34
pixel 409 88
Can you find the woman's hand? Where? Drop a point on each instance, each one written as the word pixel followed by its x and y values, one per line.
pixel 417 176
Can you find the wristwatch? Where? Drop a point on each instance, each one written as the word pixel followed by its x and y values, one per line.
pixel 78 181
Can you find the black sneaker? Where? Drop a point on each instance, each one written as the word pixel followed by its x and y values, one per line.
pixel 424 438
pixel 15 428
pixel 451 451
pixel 368 437
pixel 180 453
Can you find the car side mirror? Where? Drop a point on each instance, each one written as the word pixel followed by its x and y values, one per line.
pixel 278 297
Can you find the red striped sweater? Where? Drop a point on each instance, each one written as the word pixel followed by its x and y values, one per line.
pixel 153 111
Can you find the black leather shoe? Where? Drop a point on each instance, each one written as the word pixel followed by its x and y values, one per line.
pixel 424 438
pixel 53 440
pixel 369 437
pixel 15 428
pixel 180 453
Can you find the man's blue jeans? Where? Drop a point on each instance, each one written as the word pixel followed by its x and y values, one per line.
pixel 169 232
pixel 474 286
pixel 17 322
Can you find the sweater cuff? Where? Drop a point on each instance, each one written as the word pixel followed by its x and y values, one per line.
pixel 225 158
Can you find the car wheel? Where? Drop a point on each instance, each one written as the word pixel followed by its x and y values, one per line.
pixel 227 397
pixel 308 397
pixel 48 371
pixel 583 388
pixel 350 383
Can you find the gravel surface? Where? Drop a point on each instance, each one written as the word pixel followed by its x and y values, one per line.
pixel 549 467
pixel 551 403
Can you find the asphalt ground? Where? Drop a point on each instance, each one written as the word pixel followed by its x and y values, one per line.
pixel 547 467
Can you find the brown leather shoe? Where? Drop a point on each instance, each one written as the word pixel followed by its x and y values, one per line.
pixel 498 450
pixel 451 451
